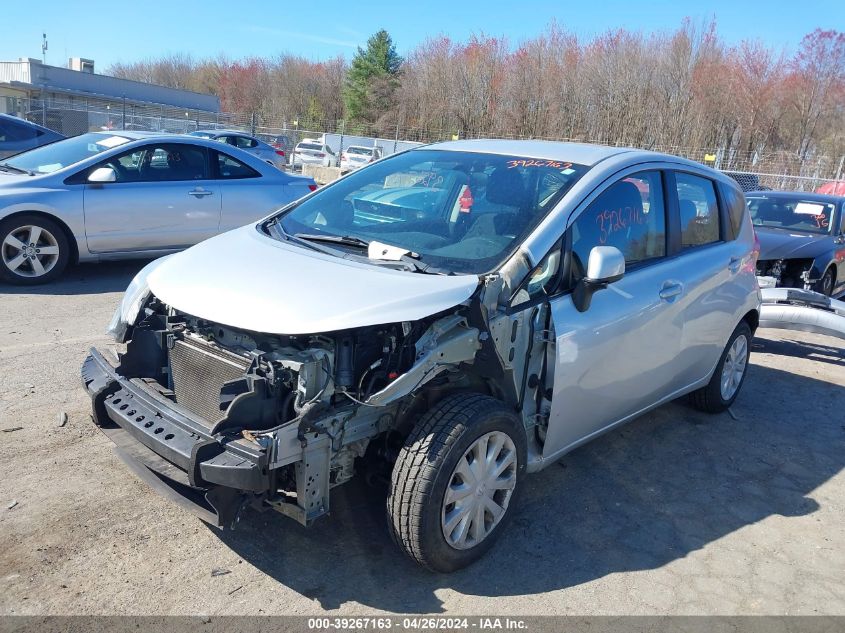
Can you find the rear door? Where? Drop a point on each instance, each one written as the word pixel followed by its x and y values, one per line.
pixel 164 198
pixel 618 357
pixel 710 261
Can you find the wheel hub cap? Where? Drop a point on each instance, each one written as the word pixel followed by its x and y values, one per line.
pixel 479 490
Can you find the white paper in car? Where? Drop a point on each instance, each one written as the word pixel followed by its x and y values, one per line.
pixel 112 141
pixel 808 208
pixel 377 250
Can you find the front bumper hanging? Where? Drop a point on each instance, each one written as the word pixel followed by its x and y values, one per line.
pixel 802 310
pixel 211 476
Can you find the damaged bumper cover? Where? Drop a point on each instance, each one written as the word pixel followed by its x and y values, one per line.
pixel 802 310
pixel 169 450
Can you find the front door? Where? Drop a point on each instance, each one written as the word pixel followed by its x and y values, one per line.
pixel 617 358
pixel 163 198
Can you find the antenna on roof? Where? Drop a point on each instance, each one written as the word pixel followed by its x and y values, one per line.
pixel 43 48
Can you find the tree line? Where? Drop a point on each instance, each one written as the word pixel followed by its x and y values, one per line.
pixel 686 89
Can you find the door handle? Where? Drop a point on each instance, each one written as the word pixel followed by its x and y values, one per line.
pixel 733 265
pixel 670 290
pixel 199 193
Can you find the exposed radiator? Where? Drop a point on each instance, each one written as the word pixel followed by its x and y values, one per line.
pixel 199 372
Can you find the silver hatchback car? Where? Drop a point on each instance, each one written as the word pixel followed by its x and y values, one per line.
pixel 451 318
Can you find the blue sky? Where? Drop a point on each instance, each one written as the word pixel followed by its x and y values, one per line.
pixel 113 31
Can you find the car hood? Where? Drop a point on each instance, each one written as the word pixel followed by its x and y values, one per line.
pixel 788 244
pixel 248 280
pixel 13 181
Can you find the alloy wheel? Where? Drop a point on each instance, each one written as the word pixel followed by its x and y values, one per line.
pixel 734 367
pixel 30 251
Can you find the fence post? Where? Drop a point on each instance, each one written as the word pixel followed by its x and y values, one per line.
pixel 839 173
pixel 342 130
pixel 252 131
pixel 123 117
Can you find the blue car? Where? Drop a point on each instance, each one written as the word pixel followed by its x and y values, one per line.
pixel 802 240
pixel 18 135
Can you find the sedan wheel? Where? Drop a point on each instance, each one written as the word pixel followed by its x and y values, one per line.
pixel 825 284
pixel 33 250
pixel 727 379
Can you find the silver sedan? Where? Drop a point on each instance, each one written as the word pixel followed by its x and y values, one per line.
pixel 273 155
pixel 119 195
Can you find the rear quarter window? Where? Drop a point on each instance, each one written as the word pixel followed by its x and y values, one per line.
pixel 734 201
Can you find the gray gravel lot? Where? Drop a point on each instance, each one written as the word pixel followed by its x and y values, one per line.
pixel 677 512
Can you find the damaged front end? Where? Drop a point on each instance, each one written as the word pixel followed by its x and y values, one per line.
pixel 221 418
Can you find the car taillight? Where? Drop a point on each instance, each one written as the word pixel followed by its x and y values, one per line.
pixel 280 152
pixel 344 156
pixel 321 155
pixel 312 187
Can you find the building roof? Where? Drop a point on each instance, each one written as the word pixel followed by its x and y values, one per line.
pixel 32 74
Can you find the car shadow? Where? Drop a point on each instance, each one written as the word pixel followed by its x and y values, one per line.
pixel 84 279
pixel 637 498
pixel 799 349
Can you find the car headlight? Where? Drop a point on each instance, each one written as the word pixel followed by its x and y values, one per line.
pixel 134 298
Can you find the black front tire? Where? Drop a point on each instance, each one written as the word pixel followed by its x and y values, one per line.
pixel 427 464
pixel 709 398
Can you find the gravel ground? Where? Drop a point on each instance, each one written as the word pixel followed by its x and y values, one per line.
pixel 677 512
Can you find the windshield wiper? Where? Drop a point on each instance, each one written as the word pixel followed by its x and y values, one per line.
pixel 346 240
pixel 8 167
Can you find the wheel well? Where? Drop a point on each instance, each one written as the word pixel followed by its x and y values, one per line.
pixel 71 240
pixel 753 320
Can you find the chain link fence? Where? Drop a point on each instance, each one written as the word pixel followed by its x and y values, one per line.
pixel 753 170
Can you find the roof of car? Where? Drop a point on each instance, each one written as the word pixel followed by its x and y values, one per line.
pixel 25 123
pixel 579 153
pixel 796 195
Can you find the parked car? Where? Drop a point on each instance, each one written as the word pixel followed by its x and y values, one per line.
pixel 504 303
pixel 833 188
pixel 277 141
pixel 18 135
pixel 102 196
pixel 266 152
pixel 313 152
pixel 802 240
pixel 356 156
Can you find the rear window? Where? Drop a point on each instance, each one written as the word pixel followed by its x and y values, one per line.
pixel 318 148
pixel 11 132
pixel 361 151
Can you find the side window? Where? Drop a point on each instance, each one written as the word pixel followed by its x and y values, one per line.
pixel 244 143
pixel 629 215
pixel 543 280
pixel 699 210
pixel 11 132
pixel 735 202
pixel 229 168
pixel 159 163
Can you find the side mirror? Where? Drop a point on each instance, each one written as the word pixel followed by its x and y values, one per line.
pixel 102 174
pixel 605 265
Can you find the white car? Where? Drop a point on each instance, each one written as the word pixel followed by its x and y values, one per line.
pixel 313 152
pixel 356 156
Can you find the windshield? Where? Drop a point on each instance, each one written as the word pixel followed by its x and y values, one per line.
pixel 797 215
pixel 456 211
pixel 49 158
